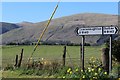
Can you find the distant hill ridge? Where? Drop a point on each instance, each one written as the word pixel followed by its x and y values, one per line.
pixel 61 29
pixel 5 27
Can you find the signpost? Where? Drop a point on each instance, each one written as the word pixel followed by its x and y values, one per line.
pixel 110 54
pixel 83 42
pixel 97 31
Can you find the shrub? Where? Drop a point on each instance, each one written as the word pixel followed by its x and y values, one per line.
pixel 8 67
pixel 11 43
pixel 94 71
pixel 116 50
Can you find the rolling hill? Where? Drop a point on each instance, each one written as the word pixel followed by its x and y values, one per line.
pixel 5 27
pixel 61 29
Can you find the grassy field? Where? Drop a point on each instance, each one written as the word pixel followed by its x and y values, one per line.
pixel 48 52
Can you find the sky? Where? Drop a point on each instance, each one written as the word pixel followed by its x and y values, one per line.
pixel 16 12
pixel 61 0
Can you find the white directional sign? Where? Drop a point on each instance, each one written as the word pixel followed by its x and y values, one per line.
pixel 110 30
pixel 90 31
pixel 97 30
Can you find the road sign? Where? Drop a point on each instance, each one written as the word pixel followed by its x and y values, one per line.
pixel 90 31
pixel 110 30
pixel 97 31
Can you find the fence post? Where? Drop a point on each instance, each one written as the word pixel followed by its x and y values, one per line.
pixel 16 61
pixel 64 55
pixel 105 59
pixel 21 56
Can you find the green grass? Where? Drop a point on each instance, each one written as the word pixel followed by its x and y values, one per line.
pixel 17 74
pixel 48 52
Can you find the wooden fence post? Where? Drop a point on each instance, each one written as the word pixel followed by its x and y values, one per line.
pixel 21 56
pixel 16 61
pixel 64 55
pixel 105 59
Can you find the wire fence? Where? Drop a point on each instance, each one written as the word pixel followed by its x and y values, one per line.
pixel 68 61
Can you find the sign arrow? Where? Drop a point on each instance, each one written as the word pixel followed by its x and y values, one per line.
pixel 110 30
pixel 116 30
pixel 76 31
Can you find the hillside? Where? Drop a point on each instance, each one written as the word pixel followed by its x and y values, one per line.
pixel 5 27
pixel 61 29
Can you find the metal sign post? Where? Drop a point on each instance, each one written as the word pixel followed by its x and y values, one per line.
pixel 110 54
pixel 83 42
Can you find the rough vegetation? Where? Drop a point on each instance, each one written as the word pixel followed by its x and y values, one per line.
pixel 116 50
pixel 56 70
